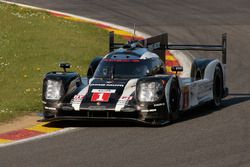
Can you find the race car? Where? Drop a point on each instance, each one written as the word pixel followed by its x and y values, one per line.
pixel 131 83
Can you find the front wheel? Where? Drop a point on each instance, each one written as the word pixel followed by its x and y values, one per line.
pixel 174 102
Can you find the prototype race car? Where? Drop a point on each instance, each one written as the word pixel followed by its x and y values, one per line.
pixel 131 83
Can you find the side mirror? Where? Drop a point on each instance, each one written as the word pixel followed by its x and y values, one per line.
pixel 177 69
pixel 149 73
pixel 65 66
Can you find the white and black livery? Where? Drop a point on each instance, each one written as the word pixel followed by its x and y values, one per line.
pixel 131 83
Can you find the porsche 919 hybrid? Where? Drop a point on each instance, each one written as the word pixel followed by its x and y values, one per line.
pixel 131 83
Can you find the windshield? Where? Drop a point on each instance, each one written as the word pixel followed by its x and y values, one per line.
pixel 109 68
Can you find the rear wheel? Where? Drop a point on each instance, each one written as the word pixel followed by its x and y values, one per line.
pixel 217 87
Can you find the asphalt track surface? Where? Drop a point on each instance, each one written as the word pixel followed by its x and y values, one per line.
pixel 203 138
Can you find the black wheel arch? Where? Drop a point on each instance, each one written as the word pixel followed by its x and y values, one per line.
pixel 198 68
pixel 93 65
pixel 70 81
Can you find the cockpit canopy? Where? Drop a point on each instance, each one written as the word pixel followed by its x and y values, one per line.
pixel 129 65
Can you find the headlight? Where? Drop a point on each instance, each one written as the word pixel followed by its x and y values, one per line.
pixel 150 91
pixel 53 90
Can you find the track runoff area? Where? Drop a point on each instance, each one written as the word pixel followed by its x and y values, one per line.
pixel 41 130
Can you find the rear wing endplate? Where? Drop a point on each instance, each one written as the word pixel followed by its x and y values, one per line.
pixel 159 44
pixel 112 44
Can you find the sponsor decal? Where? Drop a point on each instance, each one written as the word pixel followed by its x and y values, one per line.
pixel 100 97
pixel 115 85
pixel 76 101
pixel 151 110
pixel 154 46
pixel 125 97
pixel 124 100
pixel 50 108
pixel 205 89
pixel 160 104
pixel 97 84
pixel 78 97
pixel 103 91
pixel 108 84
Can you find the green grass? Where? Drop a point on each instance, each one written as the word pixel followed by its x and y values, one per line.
pixel 33 43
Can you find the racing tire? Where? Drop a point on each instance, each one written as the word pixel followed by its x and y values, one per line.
pixel 217 87
pixel 174 102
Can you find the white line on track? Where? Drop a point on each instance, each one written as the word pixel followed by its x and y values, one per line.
pixel 46 135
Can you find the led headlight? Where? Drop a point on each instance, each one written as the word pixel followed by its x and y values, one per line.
pixel 150 91
pixel 53 90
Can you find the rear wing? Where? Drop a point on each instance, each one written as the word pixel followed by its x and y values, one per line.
pixel 159 44
pixel 156 44
pixel 222 47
